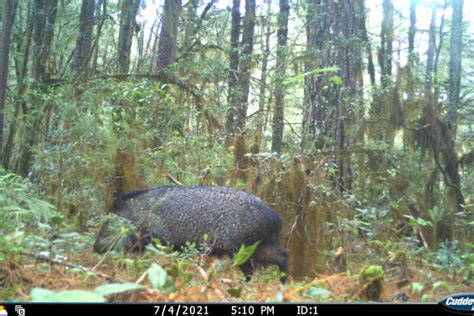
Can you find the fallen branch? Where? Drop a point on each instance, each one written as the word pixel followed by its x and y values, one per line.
pixel 172 179
pixel 142 278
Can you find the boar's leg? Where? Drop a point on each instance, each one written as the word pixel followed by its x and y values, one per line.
pixel 247 268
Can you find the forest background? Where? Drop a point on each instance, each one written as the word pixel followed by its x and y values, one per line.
pixel 353 119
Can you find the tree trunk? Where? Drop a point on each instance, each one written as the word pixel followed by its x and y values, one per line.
pixel 431 49
pixel 438 52
pixel 169 32
pixel 84 42
pixel 43 31
pixel 412 56
pixel 23 44
pixel 127 27
pixel 233 83
pixel 245 63
pixel 455 52
pixel 327 114
pixel 141 47
pixel 370 60
pixel 455 196
pixel 190 24
pixel 265 47
pixel 44 20
pixel 7 23
pixel 100 24
pixel 386 43
pixel 310 85
pixel 278 113
pixel 412 29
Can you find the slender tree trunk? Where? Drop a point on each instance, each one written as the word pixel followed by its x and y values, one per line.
pixel 452 178
pixel 169 33
pixel 438 52
pixel 84 42
pixel 44 20
pixel 23 44
pixel 278 113
pixel 141 47
pixel 455 53
pixel 265 47
pixel 100 25
pixel 370 60
pixel 154 49
pixel 310 85
pixel 412 56
pixel 386 43
pixel 190 24
pixel 43 31
pixel 7 23
pixel 233 81
pixel 431 49
pixel 412 30
pixel 127 26
pixel 245 63
pixel 148 47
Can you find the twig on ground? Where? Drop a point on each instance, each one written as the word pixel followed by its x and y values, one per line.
pixel 46 258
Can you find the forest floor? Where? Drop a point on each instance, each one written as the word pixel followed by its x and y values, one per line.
pixel 213 280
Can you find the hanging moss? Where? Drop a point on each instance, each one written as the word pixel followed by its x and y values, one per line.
pixel 241 151
pixel 289 187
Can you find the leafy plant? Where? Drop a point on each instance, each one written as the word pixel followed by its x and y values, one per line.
pixel 21 213
pixel 316 292
pixel 98 295
pixel 443 284
pixel 437 214
pixel 416 288
pixel 19 207
pixel 244 254
pixel 450 258
pixel 157 276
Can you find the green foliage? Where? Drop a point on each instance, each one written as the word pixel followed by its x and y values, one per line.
pixel 451 259
pixel 416 288
pixel 318 293
pixel 372 273
pixel 19 207
pixel 197 159
pixel 11 245
pixel 98 295
pixel 427 298
pixel 297 80
pixel 157 276
pixel 443 284
pixel 110 135
pixel 235 292
pixel 24 218
pixel 244 254
pixel 420 221
pixel 45 295
pixel 118 232
pixel 178 266
pixel 115 288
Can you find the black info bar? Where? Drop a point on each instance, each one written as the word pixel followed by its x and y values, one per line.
pixel 218 309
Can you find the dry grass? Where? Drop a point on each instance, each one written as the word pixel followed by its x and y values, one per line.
pixel 207 284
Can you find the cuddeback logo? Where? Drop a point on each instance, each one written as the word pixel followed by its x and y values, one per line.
pixel 459 303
